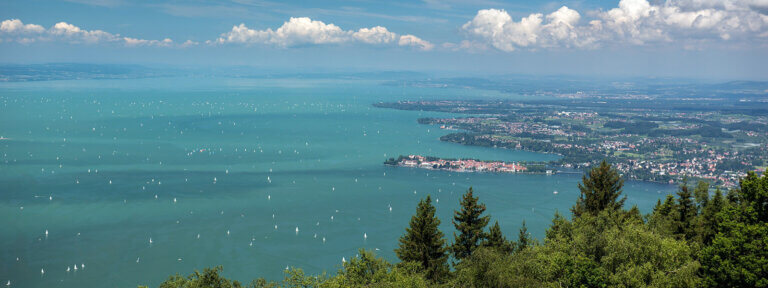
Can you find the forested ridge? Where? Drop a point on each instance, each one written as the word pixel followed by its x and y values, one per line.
pixel 696 238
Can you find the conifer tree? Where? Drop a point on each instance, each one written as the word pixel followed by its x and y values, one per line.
pixel 732 196
pixel 708 227
pixel 701 192
pixel 559 226
pixel 523 239
pixel 423 242
pixel 754 193
pixel 600 189
pixel 633 215
pixel 738 254
pixel 664 216
pixel 657 207
pixel 668 206
pixel 686 213
pixel 470 224
pixel 496 239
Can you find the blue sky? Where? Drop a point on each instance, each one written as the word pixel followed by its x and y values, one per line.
pixel 722 39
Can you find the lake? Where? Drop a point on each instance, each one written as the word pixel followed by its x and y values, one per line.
pixel 252 174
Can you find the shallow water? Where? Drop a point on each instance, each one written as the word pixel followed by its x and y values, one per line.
pixel 207 168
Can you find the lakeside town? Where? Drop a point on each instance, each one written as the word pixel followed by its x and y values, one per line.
pixel 644 143
pixel 462 165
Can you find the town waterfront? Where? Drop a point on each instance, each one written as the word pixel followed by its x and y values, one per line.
pixel 251 174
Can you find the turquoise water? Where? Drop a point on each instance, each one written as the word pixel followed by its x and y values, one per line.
pixel 207 168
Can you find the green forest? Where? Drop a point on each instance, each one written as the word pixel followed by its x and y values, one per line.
pixel 696 238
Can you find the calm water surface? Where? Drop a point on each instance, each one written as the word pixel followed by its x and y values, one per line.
pixel 254 175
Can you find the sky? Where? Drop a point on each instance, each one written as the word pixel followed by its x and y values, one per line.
pixel 708 39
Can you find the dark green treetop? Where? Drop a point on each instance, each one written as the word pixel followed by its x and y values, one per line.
pixel 423 242
pixel 469 224
pixel 708 218
pixel 754 194
pixel 738 254
pixel 523 239
pixel 496 240
pixel 701 192
pixel 210 278
pixel 600 189
pixel 686 213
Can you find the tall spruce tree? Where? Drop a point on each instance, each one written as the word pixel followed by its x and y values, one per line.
pixel 496 240
pixel 664 217
pixel 470 225
pixel 600 189
pixel 686 213
pixel 423 242
pixel 668 206
pixel 708 223
pixel 523 239
pixel 657 207
pixel 701 193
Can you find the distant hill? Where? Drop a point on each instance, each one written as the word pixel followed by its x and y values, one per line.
pixel 72 71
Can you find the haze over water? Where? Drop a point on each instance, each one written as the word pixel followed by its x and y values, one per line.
pixel 250 174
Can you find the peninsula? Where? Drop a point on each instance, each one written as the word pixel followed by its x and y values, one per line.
pixel 660 142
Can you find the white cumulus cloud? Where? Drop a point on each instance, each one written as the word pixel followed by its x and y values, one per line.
pixel 410 40
pixel 75 34
pixel 298 31
pixel 375 35
pixel 303 30
pixel 14 30
pixel 17 27
pixel 632 22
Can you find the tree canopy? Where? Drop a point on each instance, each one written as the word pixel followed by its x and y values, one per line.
pixel 469 224
pixel 599 189
pixel 423 242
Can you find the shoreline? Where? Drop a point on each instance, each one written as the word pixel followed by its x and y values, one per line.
pixel 468 165
pixel 474 171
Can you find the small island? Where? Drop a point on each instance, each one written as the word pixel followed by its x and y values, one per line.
pixel 466 165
